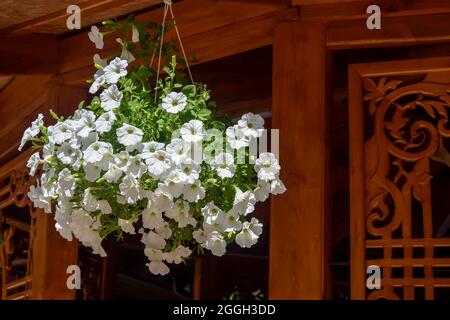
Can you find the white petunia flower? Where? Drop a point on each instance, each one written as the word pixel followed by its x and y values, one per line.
pixel 251 124
pixel 158 267
pixel 111 98
pixel 66 183
pixel 99 76
pixel 267 166
pixel 85 229
pixel 188 171
pixel 231 222
pixel 277 186
pixel 129 135
pixel 151 219
pixel 61 132
pixel 91 138
pixel 194 192
pixel 125 55
pixel 174 102
pixel 216 243
pixel 92 171
pixel 149 148
pixel 244 202
pixel 236 138
pixel 116 69
pixel 178 255
pixel 90 203
pixel 134 34
pixel 122 160
pixel 179 150
pixel 200 236
pixel 224 165
pixel 36 195
pixel 180 213
pixel 127 225
pixel 96 151
pixel 86 124
pixel 159 163
pixel 33 163
pixel 212 214
pixel 32 131
pixel 113 174
pixel 153 240
pixel 247 237
pixel 96 37
pixel 192 131
pixel 63 218
pixel 162 199
pixel 104 206
pixel 131 189
pixel 105 122
pixel 262 191
pixel 136 167
pixel 69 154
pixel 174 185
pixel 164 230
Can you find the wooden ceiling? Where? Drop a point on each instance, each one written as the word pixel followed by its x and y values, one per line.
pixel 37 16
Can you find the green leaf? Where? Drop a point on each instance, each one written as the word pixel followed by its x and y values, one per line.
pixel 203 114
pixel 190 91
pixel 81 105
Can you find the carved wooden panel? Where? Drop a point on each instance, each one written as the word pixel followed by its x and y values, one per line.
pixel 17 236
pixel 400 182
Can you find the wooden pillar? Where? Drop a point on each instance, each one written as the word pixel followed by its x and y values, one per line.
pixel 52 254
pixel 299 225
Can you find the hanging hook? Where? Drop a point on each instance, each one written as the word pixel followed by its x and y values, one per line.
pixel 168 2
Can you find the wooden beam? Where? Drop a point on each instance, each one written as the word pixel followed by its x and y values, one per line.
pixel 299 244
pixel 395 31
pixel 92 12
pixel 28 55
pixel 319 2
pixel 213 32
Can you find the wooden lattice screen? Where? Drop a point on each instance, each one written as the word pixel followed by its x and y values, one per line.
pixel 400 181
pixel 14 185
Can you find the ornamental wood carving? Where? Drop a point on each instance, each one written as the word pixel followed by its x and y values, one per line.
pixel 14 186
pixel 395 155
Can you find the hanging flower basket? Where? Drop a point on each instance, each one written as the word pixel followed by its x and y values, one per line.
pixel 164 161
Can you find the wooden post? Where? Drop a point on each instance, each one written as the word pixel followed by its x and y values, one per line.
pixel 299 225
pixel 52 254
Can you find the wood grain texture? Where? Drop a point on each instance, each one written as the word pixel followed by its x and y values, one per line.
pixel 211 32
pixel 395 31
pixel 28 55
pixel 298 246
pixel 13 12
pixel 52 18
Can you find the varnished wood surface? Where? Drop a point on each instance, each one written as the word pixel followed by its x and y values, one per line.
pixel 37 16
pixel 298 246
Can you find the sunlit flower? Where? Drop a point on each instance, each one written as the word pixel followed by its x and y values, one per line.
pixel 267 166
pixel 105 121
pixel 224 165
pixel 174 102
pixel 192 131
pixel 251 125
pixel 111 98
pixel 244 202
pixel 116 69
pixel 216 243
pixel 33 163
pixel 236 138
pixel 129 135
pixel 96 151
pixel 193 192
